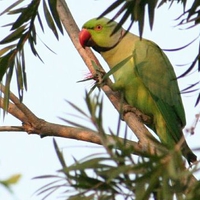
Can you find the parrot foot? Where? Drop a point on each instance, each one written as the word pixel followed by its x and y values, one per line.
pixel 100 80
pixel 98 77
pixel 144 118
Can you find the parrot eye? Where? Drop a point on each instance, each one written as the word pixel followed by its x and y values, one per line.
pixel 98 27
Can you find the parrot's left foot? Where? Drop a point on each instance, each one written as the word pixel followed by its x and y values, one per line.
pixel 101 80
pixel 98 77
pixel 144 118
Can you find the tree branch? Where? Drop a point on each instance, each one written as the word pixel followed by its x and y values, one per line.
pixel 34 125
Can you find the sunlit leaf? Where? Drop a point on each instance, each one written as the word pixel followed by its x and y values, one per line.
pixel 15 11
pixel 22 40
pixel 5 49
pixel 11 180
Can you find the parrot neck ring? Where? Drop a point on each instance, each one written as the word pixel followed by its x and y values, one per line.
pixel 104 49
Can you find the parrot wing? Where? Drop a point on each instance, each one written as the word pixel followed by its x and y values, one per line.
pixel 157 74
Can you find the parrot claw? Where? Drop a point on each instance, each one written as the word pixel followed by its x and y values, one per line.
pixel 98 77
pixel 144 118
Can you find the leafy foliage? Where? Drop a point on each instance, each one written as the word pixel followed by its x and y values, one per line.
pixel 117 173
pixel 135 10
pixel 23 30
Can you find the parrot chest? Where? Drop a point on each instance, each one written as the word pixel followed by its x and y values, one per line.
pixel 135 92
pixel 128 81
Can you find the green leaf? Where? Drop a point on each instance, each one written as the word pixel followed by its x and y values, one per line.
pixel 5 49
pixel 11 180
pixel 139 12
pixel 77 108
pixel 20 74
pixel 24 70
pixel 14 179
pixel 54 12
pixel 117 67
pixel 22 40
pixel 6 62
pixel 7 87
pixel 59 154
pixel 123 19
pixel 33 49
pixel 11 6
pixel 16 11
pixel 14 35
pixel 111 8
pixel 49 20
pixel 40 21
pixel 19 78
pixel 27 14
pixel 151 10
pixel 88 163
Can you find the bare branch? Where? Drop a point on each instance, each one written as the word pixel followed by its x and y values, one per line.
pixel 13 110
pixel 34 125
pixel 11 128
pixel 20 108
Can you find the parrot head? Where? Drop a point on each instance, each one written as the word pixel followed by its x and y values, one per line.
pixel 98 34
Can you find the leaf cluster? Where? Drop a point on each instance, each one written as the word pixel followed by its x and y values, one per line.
pixel 23 30
pixel 117 173
pixel 133 9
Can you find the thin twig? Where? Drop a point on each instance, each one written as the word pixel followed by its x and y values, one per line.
pixel 11 128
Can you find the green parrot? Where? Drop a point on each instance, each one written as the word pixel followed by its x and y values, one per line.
pixel 147 78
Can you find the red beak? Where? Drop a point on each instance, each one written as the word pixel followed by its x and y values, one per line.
pixel 84 37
